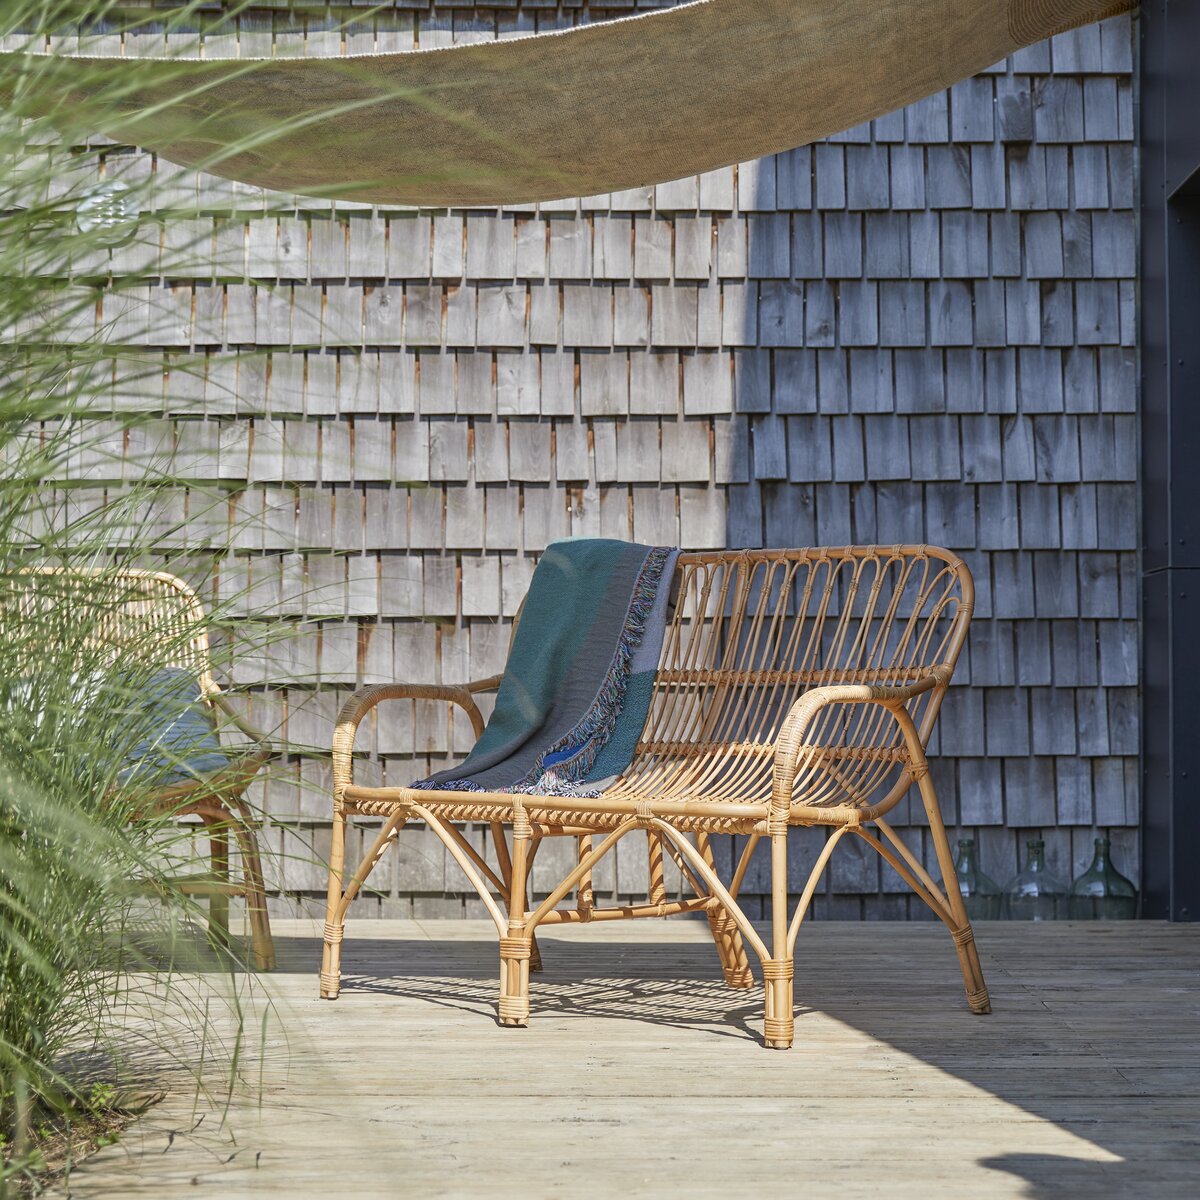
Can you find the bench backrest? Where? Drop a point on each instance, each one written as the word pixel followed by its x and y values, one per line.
pixel 752 630
pixel 105 613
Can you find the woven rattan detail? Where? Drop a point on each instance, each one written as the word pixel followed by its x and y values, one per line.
pixel 334 932
pixel 964 937
pixel 781 968
pixel 779 1029
pixel 515 948
pixel 514 1008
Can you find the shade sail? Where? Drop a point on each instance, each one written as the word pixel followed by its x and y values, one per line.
pixel 592 109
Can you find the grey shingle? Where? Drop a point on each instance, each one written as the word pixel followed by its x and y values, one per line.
pixel 781 314
pixel 1058 313
pixel 829 167
pixel 789 518
pixel 756 185
pixel 1039 516
pixel 949 507
pixel 925 245
pixel 793 178
pixel 587 315
pixel 902 313
pixel 907 171
pixel 1089 176
pixel 843 245
pixel 887 246
pixel 871 381
pixel 1113 245
pixel 928 120
pixel 1056 448
pixel 1058 110
pixel 1029 794
pixel 570 246
pixel 964 245
pixel 950 322
pixel 920 378
pixel 795 383
pixel 998 525
pixel 612 247
pixel 768 437
pixel 693 247
pixel 935 450
pixel 858 313
pixel 886 437
pixel 867 185
pixel 833 383
pixel 971 110
pixel 652 248
pixel 948 181
pixel 809 449
pixel 769 246
pixel 1039 386
pixel 848 450
pixel 653 382
pixel 820 328
pixel 752 381
pixel 989 178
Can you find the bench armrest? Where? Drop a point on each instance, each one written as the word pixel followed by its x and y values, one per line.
pixel 790 742
pixel 361 703
pixel 220 700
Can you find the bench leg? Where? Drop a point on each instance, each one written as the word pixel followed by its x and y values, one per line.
pixel 964 936
pixel 218 902
pixel 735 964
pixel 261 944
pixel 778 1022
pixel 516 947
pixel 331 954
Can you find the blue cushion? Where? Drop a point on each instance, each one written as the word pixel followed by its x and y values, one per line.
pixel 177 741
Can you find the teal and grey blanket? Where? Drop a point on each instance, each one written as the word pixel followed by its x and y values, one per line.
pixel 577 684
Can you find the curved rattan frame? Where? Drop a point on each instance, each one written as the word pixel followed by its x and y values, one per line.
pixel 795 688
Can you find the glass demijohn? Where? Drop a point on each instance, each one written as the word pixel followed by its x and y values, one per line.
pixel 980 894
pixel 1035 894
pixel 1102 893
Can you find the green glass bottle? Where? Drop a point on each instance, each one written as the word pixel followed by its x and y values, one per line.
pixel 1035 894
pixel 980 894
pixel 1102 893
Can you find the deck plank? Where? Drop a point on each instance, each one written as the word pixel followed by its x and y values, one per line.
pixel 640 1074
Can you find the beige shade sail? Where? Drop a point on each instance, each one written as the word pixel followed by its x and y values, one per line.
pixel 592 109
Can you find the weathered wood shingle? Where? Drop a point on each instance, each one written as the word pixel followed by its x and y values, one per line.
pixel 918 330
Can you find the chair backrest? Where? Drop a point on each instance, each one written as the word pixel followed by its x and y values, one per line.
pixel 752 630
pixel 121 611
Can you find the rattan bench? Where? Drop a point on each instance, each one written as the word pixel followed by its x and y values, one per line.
pixel 795 687
pixel 153 613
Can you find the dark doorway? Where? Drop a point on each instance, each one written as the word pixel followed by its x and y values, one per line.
pixel 1170 321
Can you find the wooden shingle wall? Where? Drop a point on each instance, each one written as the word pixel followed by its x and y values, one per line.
pixel 920 330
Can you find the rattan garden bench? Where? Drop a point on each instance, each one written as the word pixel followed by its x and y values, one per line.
pixel 158 615
pixel 795 687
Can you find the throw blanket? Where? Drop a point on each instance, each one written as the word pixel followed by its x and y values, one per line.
pixel 579 676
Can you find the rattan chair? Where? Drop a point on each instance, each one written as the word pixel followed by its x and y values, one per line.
pixel 132 609
pixel 795 687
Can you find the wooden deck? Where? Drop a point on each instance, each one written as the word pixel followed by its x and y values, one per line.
pixel 641 1075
